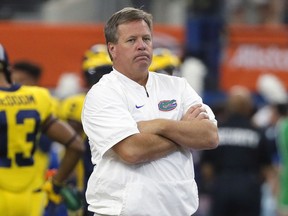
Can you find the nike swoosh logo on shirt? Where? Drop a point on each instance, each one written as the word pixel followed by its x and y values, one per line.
pixel 138 107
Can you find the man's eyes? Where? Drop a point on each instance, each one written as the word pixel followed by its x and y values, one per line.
pixel 147 39
pixel 132 40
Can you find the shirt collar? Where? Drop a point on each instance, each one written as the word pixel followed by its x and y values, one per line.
pixel 129 81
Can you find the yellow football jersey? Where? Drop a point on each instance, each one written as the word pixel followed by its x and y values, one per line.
pixel 71 107
pixel 55 106
pixel 23 109
pixel 42 159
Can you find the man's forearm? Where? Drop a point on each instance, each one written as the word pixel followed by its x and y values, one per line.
pixel 144 147
pixel 195 134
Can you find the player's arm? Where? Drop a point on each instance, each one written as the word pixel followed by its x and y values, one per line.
pixel 76 125
pixel 64 134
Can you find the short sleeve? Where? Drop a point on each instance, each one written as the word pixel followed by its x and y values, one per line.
pixel 106 119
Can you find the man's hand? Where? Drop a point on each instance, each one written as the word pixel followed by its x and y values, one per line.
pixel 196 111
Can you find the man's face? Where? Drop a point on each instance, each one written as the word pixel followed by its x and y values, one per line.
pixel 133 52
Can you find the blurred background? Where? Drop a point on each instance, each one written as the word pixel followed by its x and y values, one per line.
pixel 220 44
pixel 236 40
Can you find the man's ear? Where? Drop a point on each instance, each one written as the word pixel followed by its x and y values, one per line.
pixel 111 49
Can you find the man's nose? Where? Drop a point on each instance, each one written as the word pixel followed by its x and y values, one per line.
pixel 141 45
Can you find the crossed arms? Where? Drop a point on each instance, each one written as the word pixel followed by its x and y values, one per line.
pixel 160 137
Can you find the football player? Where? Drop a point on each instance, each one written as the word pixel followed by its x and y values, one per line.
pixel 164 61
pixel 46 158
pixel 25 112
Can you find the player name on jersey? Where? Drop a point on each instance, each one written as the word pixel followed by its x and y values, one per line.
pixel 17 100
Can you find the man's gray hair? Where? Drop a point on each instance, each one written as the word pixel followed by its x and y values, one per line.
pixel 126 15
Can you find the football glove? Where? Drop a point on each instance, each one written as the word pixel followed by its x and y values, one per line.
pixel 53 191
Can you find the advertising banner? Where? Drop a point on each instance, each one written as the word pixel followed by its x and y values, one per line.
pixel 252 51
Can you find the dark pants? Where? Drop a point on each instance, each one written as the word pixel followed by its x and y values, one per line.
pixel 236 195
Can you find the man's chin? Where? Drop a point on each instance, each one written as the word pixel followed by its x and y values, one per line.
pixel 144 67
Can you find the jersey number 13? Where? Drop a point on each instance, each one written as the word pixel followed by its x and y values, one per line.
pixel 21 159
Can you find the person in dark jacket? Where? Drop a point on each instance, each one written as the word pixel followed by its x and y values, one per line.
pixel 235 168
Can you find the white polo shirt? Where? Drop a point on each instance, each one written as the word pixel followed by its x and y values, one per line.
pixel 111 111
